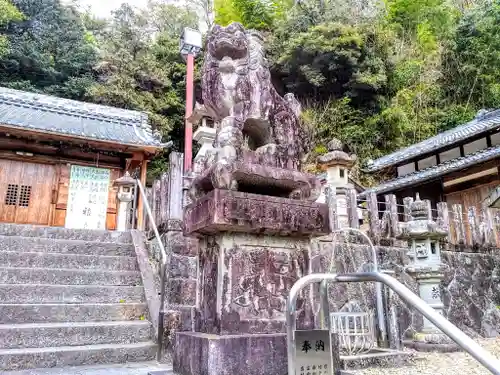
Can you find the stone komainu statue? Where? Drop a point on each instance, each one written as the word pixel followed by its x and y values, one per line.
pixel 259 141
pixel 238 94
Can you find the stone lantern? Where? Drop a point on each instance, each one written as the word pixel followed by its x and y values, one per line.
pixel 204 135
pixel 337 164
pixel 125 195
pixel 423 235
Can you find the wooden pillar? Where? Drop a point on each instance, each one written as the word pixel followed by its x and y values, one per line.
pixel 140 204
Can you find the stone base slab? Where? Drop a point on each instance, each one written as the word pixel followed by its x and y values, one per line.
pixel 234 211
pixel 206 354
pixel 377 357
pixel 431 347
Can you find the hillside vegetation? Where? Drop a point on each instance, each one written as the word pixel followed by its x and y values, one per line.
pixel 377 75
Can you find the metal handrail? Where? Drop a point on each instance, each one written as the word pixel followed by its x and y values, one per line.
pixel 464 341
pixel 163 268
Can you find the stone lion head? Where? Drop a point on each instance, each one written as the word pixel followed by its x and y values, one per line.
pixel 228 42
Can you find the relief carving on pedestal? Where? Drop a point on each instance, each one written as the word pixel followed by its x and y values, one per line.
pixel 257 284
pixel 271 215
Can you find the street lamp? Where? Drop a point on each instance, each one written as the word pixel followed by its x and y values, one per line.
pixel 190 46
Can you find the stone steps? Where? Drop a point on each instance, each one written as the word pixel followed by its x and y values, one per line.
pixel 15 336
pixel 15 275
pixel 70 298
pixel 16 359
pixel 63 233
pixel 54 260
pixel 64 246
pixel 84 312
pixel 45 293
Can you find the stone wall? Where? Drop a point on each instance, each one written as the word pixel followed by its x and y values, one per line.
pixel 470 289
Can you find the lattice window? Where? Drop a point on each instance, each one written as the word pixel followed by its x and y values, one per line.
pixel 24 196
pixel 11 195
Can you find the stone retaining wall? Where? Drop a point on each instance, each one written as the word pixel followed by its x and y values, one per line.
pixel 470 289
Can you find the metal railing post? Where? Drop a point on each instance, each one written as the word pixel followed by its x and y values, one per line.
pixel 448 328
pixel 325 321
pixel 164 267
pixel 133 217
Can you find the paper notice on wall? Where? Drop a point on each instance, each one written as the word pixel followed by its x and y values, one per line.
pixel 87 198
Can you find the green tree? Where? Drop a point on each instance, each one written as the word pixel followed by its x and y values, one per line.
pixel 473 60
pixel 142 69
pixel 253 14
pixel 49 51
pixel 8 13
pixel 331 61
pixel 169 18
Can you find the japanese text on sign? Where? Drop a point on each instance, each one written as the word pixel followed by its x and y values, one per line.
pixel 87 198
pixel 312 353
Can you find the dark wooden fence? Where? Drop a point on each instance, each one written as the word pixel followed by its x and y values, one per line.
pixel 470 228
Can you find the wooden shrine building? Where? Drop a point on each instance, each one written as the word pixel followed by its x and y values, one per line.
pixel 59 158
pixel 458 166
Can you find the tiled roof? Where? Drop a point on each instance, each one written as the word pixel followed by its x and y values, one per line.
pixel 50 114
pixel 430 173
pixel 483 123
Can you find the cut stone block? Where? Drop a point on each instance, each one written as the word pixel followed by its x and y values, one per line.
pixel 13 336
pixel 66 312
pixel 206 354
pixel 16 359
pixel 68 276
pixel 54 260
pixel 64 246
pixel 36 293
pixel 64 233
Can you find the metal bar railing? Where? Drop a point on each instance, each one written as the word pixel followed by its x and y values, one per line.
pixel 464 341
pixel 163 268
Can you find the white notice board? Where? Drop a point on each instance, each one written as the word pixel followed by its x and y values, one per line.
pixel 313 352
pixel 87 198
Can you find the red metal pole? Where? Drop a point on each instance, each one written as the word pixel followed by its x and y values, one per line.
pixel 188 135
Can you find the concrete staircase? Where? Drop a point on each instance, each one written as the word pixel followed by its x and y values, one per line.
pixel 69 298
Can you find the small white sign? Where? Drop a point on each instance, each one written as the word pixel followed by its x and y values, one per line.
pixel 87 198
pixel 313 355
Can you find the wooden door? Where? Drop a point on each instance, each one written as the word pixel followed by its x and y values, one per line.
pixel 26 192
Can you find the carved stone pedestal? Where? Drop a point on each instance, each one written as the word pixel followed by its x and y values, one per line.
pixel 252 250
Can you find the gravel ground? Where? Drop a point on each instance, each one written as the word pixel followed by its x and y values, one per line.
pixel 459 363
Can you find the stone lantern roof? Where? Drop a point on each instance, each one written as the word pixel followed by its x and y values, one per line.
pixel 421 225
pixel 125 180
pixel 336 156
